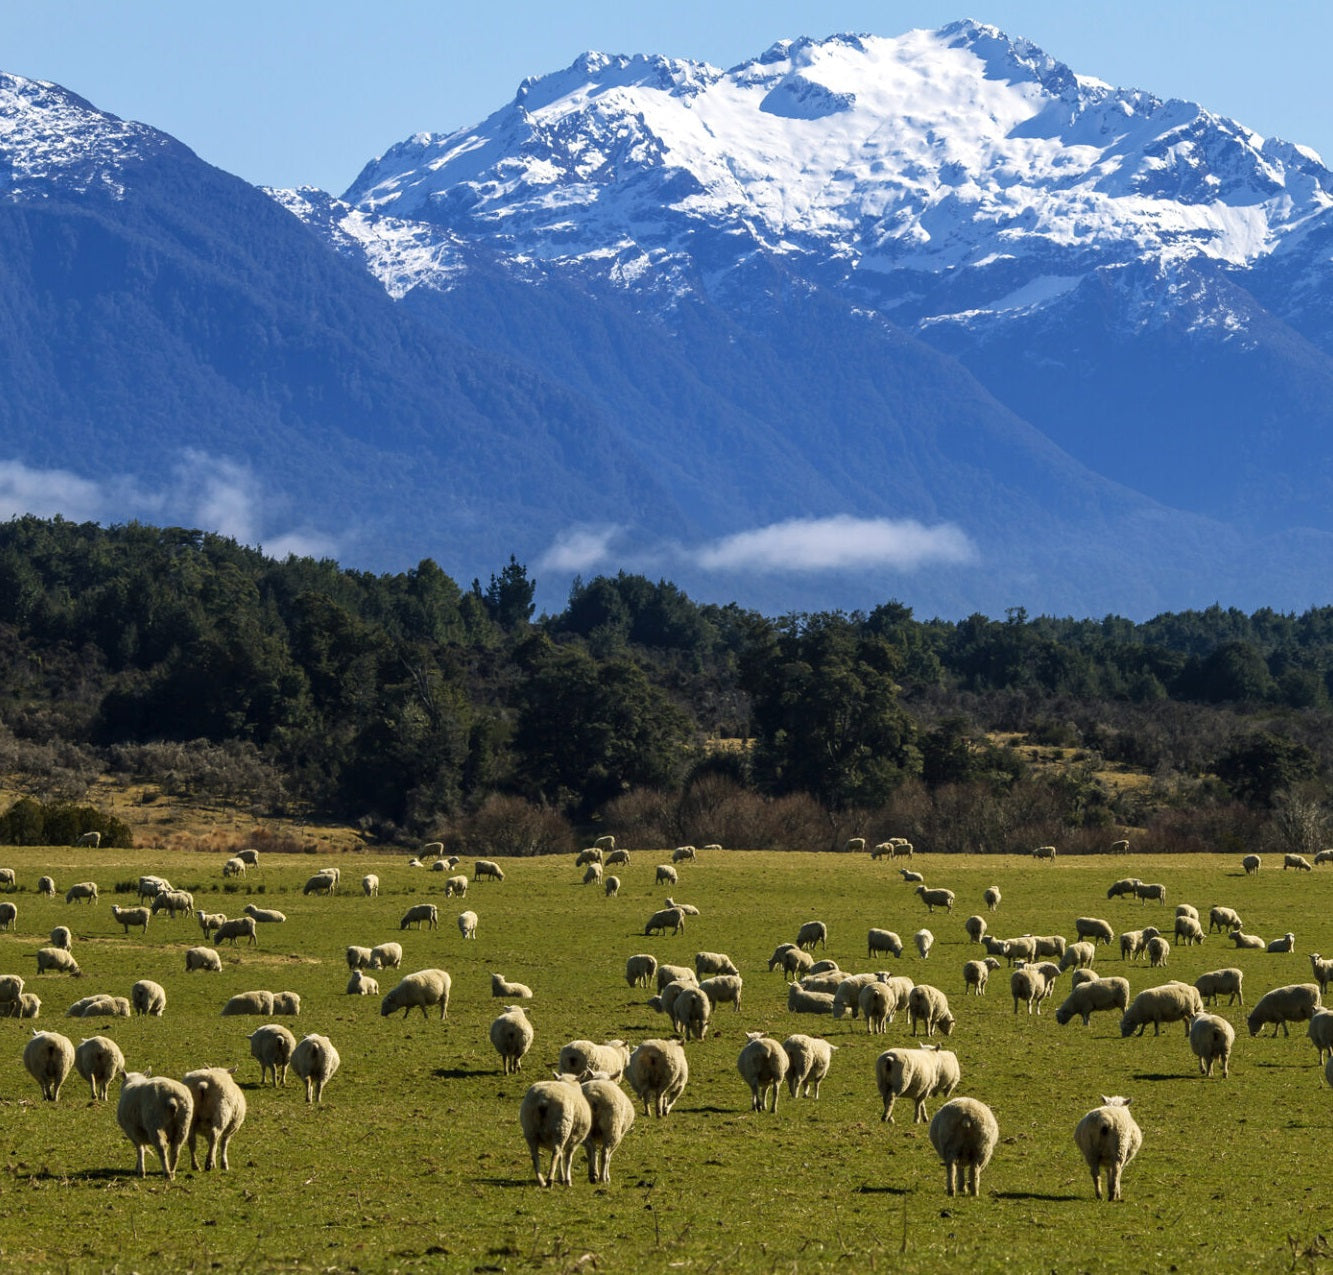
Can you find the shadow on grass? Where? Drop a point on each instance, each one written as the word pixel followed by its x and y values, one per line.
pixel 1036 1195
pixel 884 1190
pixel 98 1175
pixel 507 1182
pixel 712 1111
pixel 1160 1075
pixel 461 1073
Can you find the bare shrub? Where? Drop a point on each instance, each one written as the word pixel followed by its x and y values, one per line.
pixel 511 826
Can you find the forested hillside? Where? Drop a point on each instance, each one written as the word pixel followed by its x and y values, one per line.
pixel 412 706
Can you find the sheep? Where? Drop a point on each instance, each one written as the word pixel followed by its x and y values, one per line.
pixel 592 855
pixel 1094 928
pixel 234 867
pixel 713 847
pixel 1320 1032
pixel 259 1002
pixel 976 974
pixel 155 1111
pixel 612 1117
pixel 7 878
pixel 418 991
pixel 1215 983
pixel 148 997
pixel 616 857
pixel 1296 1002
pixel 100 1006
pixel 287 1003
pixel 370 885
pixel 935 898
pixel 882 941
pixel 1158 950
pixel 1249 941
pixel 659 921
pixel 713 963
pixel 58 960
pixel 386 956
pixel 322 882
pixel 911 878
pixel 130 916
pixel 828 981
pixel 1088 998
pixel 1027 987
pixel 151 886
pixel 1023 948
pixel 82 890
pixel 500 986
pixel 917 1074
pixel 1126 885
pixel 964 1133
pixel 640 969
pixel 264 916
pixel 1297 861
pixel 487 868
pixel 511 1034
pixel 1251 863
pixel 846 999
pixel 1169 1003
pixel 855 845
pixel 884 850
pixel 808 1061
pixel 1322 970
pixel 1211 1038
pixel 611 887
pixel 271 1046
pixel 219 1111
pixel 688 908
pixel 593 875
pixel 665 872
pixel 877 1004
pixel 1223 919
pixel 690 1013
pixel 554 1116
pixel 237 927
pixel 1144 891
pixel 924 941
pixel 763 1065
pixel 432 849
pixel 665 1000
pixel 173 901
pixel 249 857
pixel 1188 931
pixel 419 914
pixel 801 1001
pixel 361 984
pixel 1287 943
pixel 314 1060
pixel 11 987
pixel 209 921
pixel 991 898
pixel 1049 944
pixel 684 854
pixel 99 1061
pixel 607 842
pixel 46 886
pixel 467 924
pixel 722 989
pixel 826 965
pixel 9 913
pixel 1044 852
pixel 900 848
pixel 975 928
pixel 456 885
pixel 27 1005
pixel 1109 1139
pixel 667 974
pixel 48 1056
pixel 358 958
pixel 93 839
pixel 1079 956
pixel 586 1059
pixel 930 1007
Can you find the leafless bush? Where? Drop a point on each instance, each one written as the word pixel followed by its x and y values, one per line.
pixel 511 826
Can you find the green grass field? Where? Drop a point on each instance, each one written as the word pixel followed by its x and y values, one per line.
pixel 415 1159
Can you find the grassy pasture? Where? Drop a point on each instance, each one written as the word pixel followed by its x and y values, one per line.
pixel 415 1159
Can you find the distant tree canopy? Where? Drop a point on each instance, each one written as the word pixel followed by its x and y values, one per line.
pixel 403 700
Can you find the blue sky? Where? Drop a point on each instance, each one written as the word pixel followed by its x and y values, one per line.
pixel 292 92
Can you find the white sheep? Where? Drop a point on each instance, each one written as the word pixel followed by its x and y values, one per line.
pixel 358 958
pixel 46 887
pixel 27 1005
pixel 82 890
pixel 606 842
pixel 1145 890
pixel 877 1004
pixel 1211 1038
pixel 418 991
pixel 586 1058
pixel 640 969
pixel 235 928
pixel 554 1116
pixel 148 997
pixel 964 1133
pixel 975 928
pixel 57 960
pixel 855 845
pixel 386 956
pixel 593 874
pixel 1227 982
pixel 456 886
pixel 847 997
pixel 93 839
pixel 723 989
pixel 9 913
pixel 11 987
pixel 1251 942
pixel 1131 945
pixel 991 897
pixel 287 1003
pixel 151 886
pixel 1320 1032
pixel 976 974
pixel 1287 943
pixel 688 908
pixel 99 1061
pixel 936 898
pixel 763 1065
pixel 322 882
pixel 1023 948
pixel 1109 1139
pixel 467 924
pixel 271 1046
pixel 801 1001
pixel 173 901
pixel 234 867
pixel 100 1006
pixel 828 981
pixel 660 920
pixel 49 1056
pixel 1322 970
pixel 658 1073
pixel 930 1007
pixel 1094 929
pixel 511 1034
pixel 674 974
pixel 219 1111
pixel 1028 987
pixel 1297 861
pixel 882 941
pixel 370 885
pixel 615 857
pixel 911 878
pixel 612 1117
pixel 421 914
pixel 209 921
pixel 690 1013
pixel 1158 950
pixel 264 916
pixel 155 1111
pixel 917 1074
pixel 1051 945
pixel 1223 919
pixel 61 937
pixel 1044 852
pixel 1251 863
pixel 684 854
pixel 1323 856
pixel 487 868
pixel 501 986
pixel 257 1002
pixel 924 941
pixel 611 888
pixel 1125 885
pixel 1091 997
pixel 1296 1002
pixel 130 916
pixel 591 855
pixel 665 872
pixel 361 984
pixel 706 963
pixel 1169 1003
pixel 249 857
pixel 315 1060
pixel 808 1061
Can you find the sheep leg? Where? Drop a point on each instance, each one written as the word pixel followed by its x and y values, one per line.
pixel 1113 1181
pixel 950 1177
pixel 1097 1179
pixel 888 1108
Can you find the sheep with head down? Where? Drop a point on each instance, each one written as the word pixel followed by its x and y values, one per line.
pixel 511 1034
pixel 658 1072
pixel 419 990
pixel 555 1116
pixel 586 1058
pixel 763 1066
pixel 808 1061
pixel 964 1133
pixel 155 1111
pixel 219 1111
pixel 99 1061
pixel 917 1074
pixel 272 1046
pixel 1211 1038
pixel 315 1060
pixel 612 1117
pixel 1297 1002
pixel 1109 1138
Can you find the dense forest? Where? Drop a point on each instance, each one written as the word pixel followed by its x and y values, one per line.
pixel 414 708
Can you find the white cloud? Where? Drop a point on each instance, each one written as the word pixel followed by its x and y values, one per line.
pixel 837 544
pixel 47 492
pixel 220 495
pixel 579 549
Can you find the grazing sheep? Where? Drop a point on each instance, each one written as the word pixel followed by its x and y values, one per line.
pixel 1251 863
pixel 173 901
pixel 432 849
pixel 975 928
pixel 130 916
pixel 370 885
pixel 314 1060
pixel 688 908
pixel 911 878
pixel 209 921
pixel 271 1046
pixel 991 898
pixel 358 958
pixel 855 845
pixel 151 886
pixel 57 960
pixel 1149 890
pixel 690 1013
pixel 1169 1003
pixel 8 879
pixel 812 934
pixel 264 916
pixel 155 1111
pixel 1297 861
pixel 964 1133
pixel 674 974
pixel 659 921
pixel 882 941
pixel 500 986
pixel 511 1034
pixel 9 913
pixel 593 875
pixel 249 857
pixel 147 997
pixel 592 855
pixel 1044 852
pixel 386 956
pixel 287 1003
pixel 27 1005
pixel 924 941
pixel 1023 948
pixel 611 888
pixel 665 1000
pixel 456 885
pixel 935 898
pixel 99 1061
pixel 665 872
pixel 1320 1032
pixel 1188 931
pixel 763 1066
pixel 877 1004
pixel 713 963
pixel 1322 970
pixel 467 924
pixel 100 1006
pixel 322 882
pixel 1158 950
pixel 846 999
pixel 46 886
pixel 361 984
pixel 237 927
pixel 49 1056
pixel 1080 956
pixel 801 1001
pixel 487 868
pixel 234 867
pixel 612 1117
pixel 930 1007
pixel 11 987
pixel 1323 856
pixel 1094 928
pixel 82 890
pixel 1088 998
pixel 917 1074
pixel 1250 941
pixel 259 1002
pixel 684 854
pixel 615 857
pixel 1187 909
pixel 1109 1139
pixel 900 848
pixel 1050 944
pixel 1211 1038
pixel 1215 983
pixel 1027 987
pixel 808 1061
pixel 418 991
pixel 555 1116
pixel 640 969
pixel 1296 1002
pixel 219 1111
pixel 606 842
pixel 1126 885
pixel 586 1058
pixel 723 989
pixel 1222 920
pixel 419 914
pixel 93 839
pixel 1287 943
pixel 976 974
